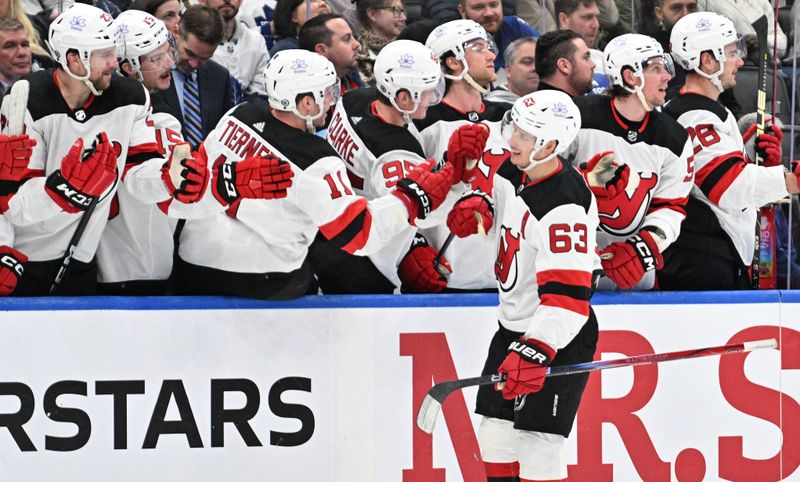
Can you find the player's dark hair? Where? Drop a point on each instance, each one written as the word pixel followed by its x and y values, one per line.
pixel 315 31
pixel 203 22
pixel 552 46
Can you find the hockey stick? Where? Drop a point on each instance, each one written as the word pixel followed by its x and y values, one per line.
pixel 77 235
pixel 432 404
pixel 15 104
pixel 760 27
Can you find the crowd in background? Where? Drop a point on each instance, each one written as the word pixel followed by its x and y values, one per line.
pixel 230 42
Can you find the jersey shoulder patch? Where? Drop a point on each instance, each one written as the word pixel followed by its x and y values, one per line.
pixel 687 102
pixel 563 188
pixel 380 137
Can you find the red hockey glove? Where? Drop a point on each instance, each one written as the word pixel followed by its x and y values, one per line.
pixel 472 213
pixel 605 177
pixel 186 178
pixel 253 178
pixel 15 154
pixel 465 147
pixel 83 175
pixel 768 143
pixel 417 272
pixel 526 365
pixel 626 262
pixel 11 268
pixel 422 191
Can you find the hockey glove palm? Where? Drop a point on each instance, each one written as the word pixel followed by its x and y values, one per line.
pixel 605 177
pixel 15 154
pixel 526 365
pixel 417 272
pixel 465 148
pixel 422 190
pixel 11 269
pixel 83 176
pixel 626 262
pixel 186 178
pixel 471 214
pixel 256 177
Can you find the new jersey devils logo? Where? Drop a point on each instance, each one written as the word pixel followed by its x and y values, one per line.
pixel 487 167
pixel 505 267
pixel 623 214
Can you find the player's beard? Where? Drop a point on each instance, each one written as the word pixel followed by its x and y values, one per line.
pixel 101 83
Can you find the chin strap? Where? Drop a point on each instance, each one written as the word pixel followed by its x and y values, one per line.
pixel 464 75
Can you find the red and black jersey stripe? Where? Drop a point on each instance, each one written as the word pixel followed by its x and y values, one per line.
pixel 350 230
pixel 566 289
pixel 717 176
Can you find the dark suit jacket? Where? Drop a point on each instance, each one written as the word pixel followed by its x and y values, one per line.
pixel 216 95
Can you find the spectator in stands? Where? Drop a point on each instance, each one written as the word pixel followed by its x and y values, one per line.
pixel 445 10
pixel 382 22
pixel 15 52
pixel 168 11
pixel 290 16
pixel 564 63
pixel 242 51
pixel 36 28
pixel 504 29
pixel 330 36
pixel 520 71
pixel 257 15
pixel 200 31
pixel 580 16
pixel 537 15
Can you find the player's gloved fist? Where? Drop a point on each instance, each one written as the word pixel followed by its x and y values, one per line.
pixel 186 178
pixel 526 365
pixel 605 177
pixel 626 262
pixel 11 269
pixel 417 271
pixel 471 214
pixel 256 177
pixel 422 190
pixel 770 146
pixel 464 149
pixel 84 175
pixel 15 154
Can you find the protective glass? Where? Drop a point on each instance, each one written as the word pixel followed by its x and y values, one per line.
pixel 480 46
pixel 433 96
pixel 508 128
pixel 331 94
pixel 658 64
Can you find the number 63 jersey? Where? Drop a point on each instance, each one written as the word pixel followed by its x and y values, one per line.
pixel 545 244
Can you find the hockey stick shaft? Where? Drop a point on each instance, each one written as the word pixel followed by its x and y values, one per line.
pixel 431 405
pixel 437 261
pixel 71 247
pixel 761 25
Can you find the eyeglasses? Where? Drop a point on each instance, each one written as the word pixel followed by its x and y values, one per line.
pixel 396 11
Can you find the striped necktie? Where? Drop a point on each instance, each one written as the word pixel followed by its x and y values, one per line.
pixel 192 122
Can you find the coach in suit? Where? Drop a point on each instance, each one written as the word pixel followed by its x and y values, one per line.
pixel 202 90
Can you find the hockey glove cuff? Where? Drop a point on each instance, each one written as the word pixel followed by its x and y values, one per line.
pixel 11 269
pixel 472 213
pixel 626 262
pixel 417 271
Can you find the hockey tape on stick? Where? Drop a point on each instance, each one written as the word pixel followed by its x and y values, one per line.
pixel 432 404
pixel 15 104
pixel 437 261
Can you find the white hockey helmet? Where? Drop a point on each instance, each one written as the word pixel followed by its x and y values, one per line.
pixel 83 28
pixel 142 33
pixel 633 51
pixel 454 36
pixel 702 32
pixel 544 116
pixel 292 72
pixel 409 65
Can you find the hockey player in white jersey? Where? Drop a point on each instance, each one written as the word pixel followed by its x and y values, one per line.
pixel 15 155
pixel 716 244
pixel 542 220
pixel 379 145
pixel 641 214
pixel 70 107
pixel 467 54
pixel 259 248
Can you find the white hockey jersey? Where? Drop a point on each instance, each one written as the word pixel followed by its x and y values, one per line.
pixel 261 236
pixel 245 56
pixel 471 271
pixel 725 181
pixel 137 243
pixel 42 229
pixel 658 150
pixel 545 239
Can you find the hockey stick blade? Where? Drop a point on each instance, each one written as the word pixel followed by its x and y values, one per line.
pixel 432 404
pixel 16 103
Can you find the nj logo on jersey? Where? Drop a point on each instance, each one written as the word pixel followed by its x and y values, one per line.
pixel 505 267
pixel 622 215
